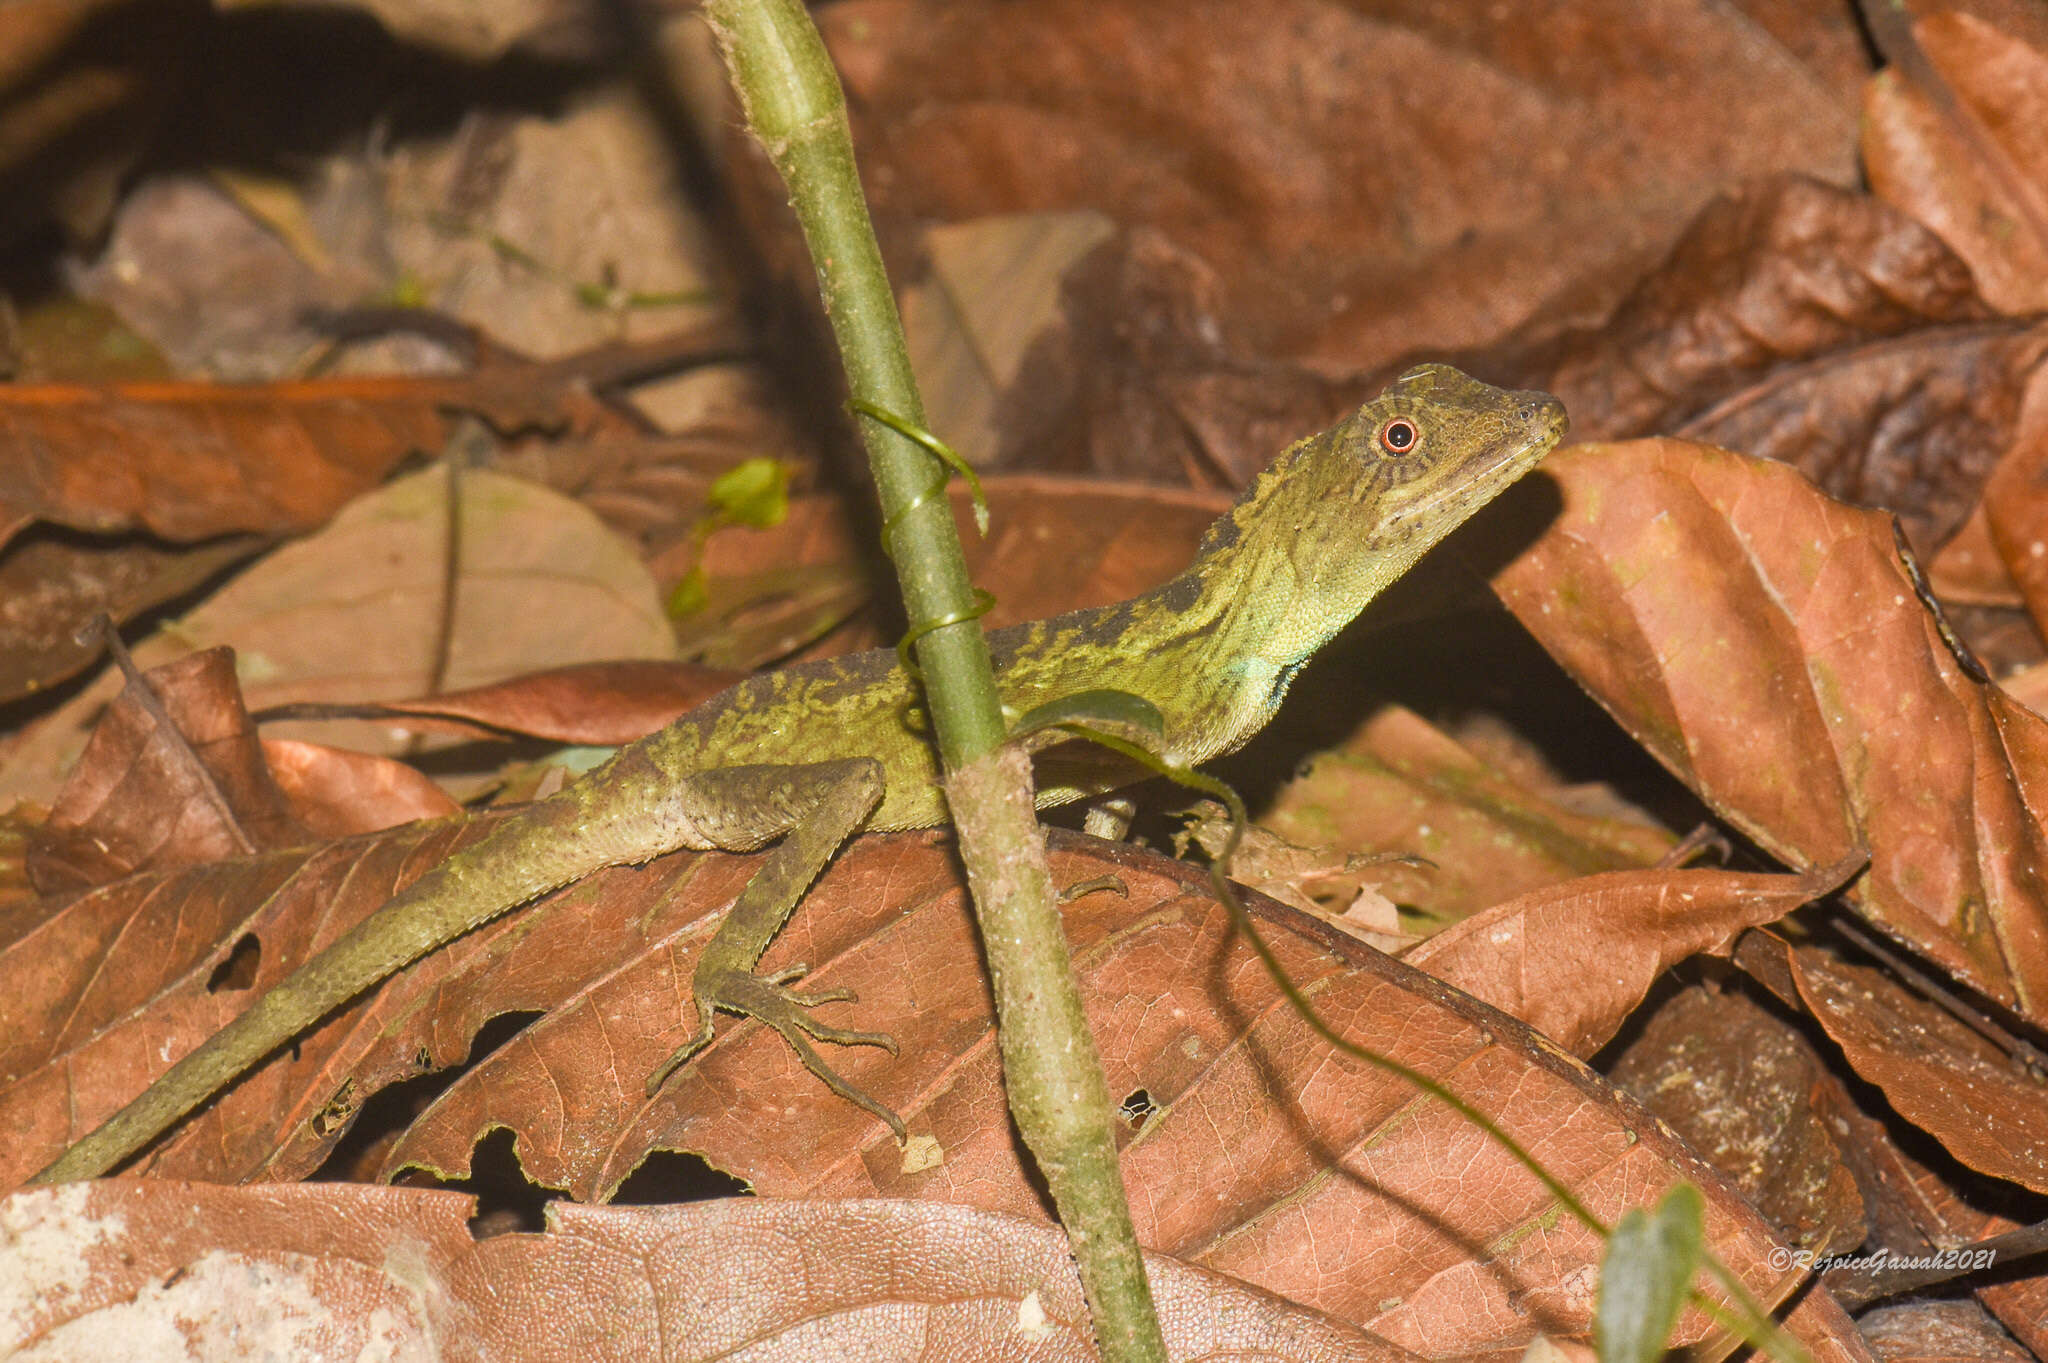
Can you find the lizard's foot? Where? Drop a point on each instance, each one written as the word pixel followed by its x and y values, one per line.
pixel 769 1000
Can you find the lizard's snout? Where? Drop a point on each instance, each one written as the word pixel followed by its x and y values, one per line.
pixel 1543 414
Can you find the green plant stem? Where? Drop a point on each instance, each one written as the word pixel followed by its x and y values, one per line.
pixel 793 103
pixel 794 106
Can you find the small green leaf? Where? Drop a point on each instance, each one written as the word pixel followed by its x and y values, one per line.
pixel 507 249
pixel 409 291
pixel 753 492
pixel 690 595
pixel 1649 1265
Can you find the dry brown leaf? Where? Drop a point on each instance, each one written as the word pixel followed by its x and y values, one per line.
pixel 186 461
pixel 1969 570
pixel 78 973
pixel 1316 880
pixel 1914 424
pixel 336 793
pixel 1978 1099
pixel 1948 1331
pixel 1270 241
pixel 1765 644
pixel 1810 325
pixel 1968 157
pixel 334 1271
pixel 1187 1021
pixel 1054 544
pixel 1574 960
pixel 1399 786
pixel 1058 544
pixel 51 580
pixel 1746 1090
pixel 992 295
pixel 1142 377
pixel 108 473
pixel 1193 1035
pixel 1916 1209
pixel 18 898
pixel 1357 219
pixel 1942 1072
pixel 654 487
pixel 757 619
pixel 2029 687
pixel 1781 270
pixel 596 704
pixel 352 613
pixel 144 799
pixel 2016 500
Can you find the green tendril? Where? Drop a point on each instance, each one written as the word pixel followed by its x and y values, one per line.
pixel 950 458
pixel 983 604
pixel 940 450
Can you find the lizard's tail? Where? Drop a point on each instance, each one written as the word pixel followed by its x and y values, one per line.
pixel 541 848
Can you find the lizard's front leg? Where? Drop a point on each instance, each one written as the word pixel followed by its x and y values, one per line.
pixel 820 806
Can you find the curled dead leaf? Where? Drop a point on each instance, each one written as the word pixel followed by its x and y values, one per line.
pixel 1941 1069
pixel 1766 645
pixel 1946 137
pixel 145 796
pixel 1574 960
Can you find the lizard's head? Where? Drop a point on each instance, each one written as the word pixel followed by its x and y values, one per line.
pixel 1414 463
pixel 1341 515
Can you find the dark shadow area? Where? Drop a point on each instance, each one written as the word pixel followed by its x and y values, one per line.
pixel 388 1112
pixel 668 1176
pixel 175 85
pixel 238 971
pixel 506 1202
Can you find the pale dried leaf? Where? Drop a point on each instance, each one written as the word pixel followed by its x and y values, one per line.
pixel 333 1271
pixel 146 798
pixel 336 793
pixel 351 613
pixel 1399 786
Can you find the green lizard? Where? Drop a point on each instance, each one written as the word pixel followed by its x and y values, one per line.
pixel 813 753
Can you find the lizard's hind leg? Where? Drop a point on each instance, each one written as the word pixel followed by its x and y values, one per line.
pixel 821 807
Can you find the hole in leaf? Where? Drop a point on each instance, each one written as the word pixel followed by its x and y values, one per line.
pixel 1136 1109
pixel 667 1176
pixel 506 1200
pixel 384 1115
pixel 238 971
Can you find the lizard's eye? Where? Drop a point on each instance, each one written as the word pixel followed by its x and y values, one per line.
pixel 1398 436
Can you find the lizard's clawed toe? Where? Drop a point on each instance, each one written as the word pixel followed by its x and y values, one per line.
pixel 768 1000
